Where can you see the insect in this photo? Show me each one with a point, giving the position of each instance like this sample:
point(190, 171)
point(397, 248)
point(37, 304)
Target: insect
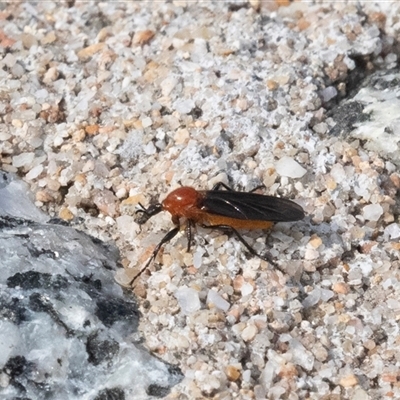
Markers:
point(227, 210)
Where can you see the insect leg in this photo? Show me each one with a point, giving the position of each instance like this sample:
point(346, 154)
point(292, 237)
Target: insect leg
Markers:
point(171, 234)
point(189, 233)
point(257, 187)
point(218, 186)
point(228, 228)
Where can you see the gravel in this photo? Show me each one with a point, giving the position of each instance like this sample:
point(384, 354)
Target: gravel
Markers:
point(107, 105)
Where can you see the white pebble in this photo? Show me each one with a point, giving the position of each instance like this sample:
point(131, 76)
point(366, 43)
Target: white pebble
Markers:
point(289, 167)
point(363, 185)
point(216, 300)
point(149, 149)
point(167, 85)
point(34, 172)
point(366, 267)
point(58, 141)
point(328, 93)
point(394, 304)
point(372, 212)
point(146, 122)
point(321, 128)
point(184, 106)
point(23, 159)
point(360, 394)
point(121, 193)
point(326, 295)
point(246, 289)
point(392, 231)
point(188, 300)
point(313, 298)
point(311, 254)
point(249, 333)
point(126, 226)
point(301, 355)
point(4, 135)
point(9, 60)
point(268, 374)
point(338, 173)
point(198, 257)
point(42, 94)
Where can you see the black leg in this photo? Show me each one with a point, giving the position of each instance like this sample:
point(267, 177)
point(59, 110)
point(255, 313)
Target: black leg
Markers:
point(218, 186)
point(189, 233)
point(257, 187)
point(228, 228)
point(171, 234)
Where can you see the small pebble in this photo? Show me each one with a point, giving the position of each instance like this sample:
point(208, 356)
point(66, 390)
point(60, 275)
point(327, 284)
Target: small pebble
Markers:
point(91, 50)
point(340, 287)
point(188, 300)
point(249, 333)
point(34, 172)
point(315, 241)
point(372, 212)
point(143, 37)
point(215, 300)
point(290, 168)
point(23, 160)
point(232, 373)
point(66, 214)
point(348, 381)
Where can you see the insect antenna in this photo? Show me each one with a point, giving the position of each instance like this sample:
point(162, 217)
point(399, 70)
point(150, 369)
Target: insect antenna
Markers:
point(144, 214)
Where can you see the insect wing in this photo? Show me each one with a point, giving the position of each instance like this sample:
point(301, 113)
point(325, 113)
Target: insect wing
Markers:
point(251, 206)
